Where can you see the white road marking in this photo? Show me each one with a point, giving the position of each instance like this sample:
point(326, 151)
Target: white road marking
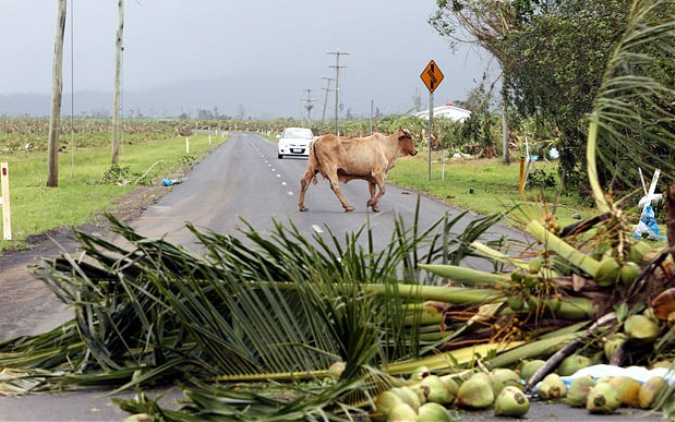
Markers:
point(290, 193)
point(317, 228)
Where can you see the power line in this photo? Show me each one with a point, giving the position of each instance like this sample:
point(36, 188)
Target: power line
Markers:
point(337, 67)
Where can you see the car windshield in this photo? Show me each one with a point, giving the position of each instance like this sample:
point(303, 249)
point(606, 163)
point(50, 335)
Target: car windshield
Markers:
point(298, 133)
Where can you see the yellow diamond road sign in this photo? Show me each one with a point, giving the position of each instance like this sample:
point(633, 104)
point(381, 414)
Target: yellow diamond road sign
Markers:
point(432, 76)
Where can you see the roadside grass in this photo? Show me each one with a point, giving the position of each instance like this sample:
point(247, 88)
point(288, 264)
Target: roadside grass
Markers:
point(87, 182)
point(486, 186)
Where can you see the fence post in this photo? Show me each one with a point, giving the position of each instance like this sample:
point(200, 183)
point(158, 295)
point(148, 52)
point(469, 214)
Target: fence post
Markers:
point(6, 212)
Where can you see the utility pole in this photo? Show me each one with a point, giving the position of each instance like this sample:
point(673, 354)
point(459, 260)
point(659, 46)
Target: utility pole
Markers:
point(337, 67)
point(325, 101)
point(57, 92)
point(309, 106)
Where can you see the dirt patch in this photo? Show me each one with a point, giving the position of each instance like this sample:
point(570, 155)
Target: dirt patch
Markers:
point(27, 306)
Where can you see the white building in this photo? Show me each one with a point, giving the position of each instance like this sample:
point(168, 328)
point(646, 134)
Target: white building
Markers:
point(447, 111)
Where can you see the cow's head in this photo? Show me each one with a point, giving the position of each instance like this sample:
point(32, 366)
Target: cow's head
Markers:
point(406, 142)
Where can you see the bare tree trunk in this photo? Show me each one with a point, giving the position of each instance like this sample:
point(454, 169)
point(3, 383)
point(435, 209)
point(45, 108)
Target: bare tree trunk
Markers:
point(57, 90)
point(118, 86)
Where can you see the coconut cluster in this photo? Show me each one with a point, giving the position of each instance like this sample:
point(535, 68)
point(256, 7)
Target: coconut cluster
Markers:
point(430, 397)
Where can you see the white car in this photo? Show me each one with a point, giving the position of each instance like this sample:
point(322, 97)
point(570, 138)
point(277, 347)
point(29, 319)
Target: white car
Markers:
point(294, 142)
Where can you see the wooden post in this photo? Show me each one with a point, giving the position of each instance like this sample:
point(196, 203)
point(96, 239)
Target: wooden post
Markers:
point(187, 145)
point(6, 213)
point(521, 185)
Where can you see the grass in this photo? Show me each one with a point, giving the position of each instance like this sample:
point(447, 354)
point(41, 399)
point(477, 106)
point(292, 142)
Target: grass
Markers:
point(485, 186)
point(87, 183)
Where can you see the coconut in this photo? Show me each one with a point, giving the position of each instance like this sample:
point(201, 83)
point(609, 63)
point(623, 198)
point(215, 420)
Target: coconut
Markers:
point(612, 344)
point(649, 392)
point(438, 393)
point(637, 251)
point(336, 370)
point(572, 363)
point(433, 412)
point(476, 392)
point(451, 383)
point(408, 396)
point(420, 373)
point(528, 368)
point(501, 377)
point(603, 398)
point(608, 272)
point(386, 401)
point(535, 264)
point(629, 272)
point(577, 393)
point(511, 401)
point(628, 389)
point(641, 328)
point(516, 303)
point(402, 413)
point(552, 387)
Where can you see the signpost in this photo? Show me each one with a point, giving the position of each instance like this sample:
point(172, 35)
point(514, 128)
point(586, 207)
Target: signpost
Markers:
point(432, 77)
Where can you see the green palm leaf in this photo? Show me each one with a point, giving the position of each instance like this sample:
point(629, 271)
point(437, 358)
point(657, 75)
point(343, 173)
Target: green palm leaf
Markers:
point(633, 120)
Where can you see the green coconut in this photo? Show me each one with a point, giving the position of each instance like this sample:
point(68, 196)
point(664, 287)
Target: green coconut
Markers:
point(528, 368)
point(608, 272)
point(402, 412)
point(501, 377)
point(629, 272)
point(577, 393)
point(571, 364)
point(641, 328)
point(603, 398)
point(476, 392)
point(438, 393)
point(433, 412)
point(649, 392)
point(552, 387)
point(408, 396)
point(612, 344)
point(386, 401)
point(511, 401)
point(420, 373)
point(452, 383)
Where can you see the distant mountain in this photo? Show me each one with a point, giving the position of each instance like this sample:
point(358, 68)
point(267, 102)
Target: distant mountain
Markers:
point(242, 95)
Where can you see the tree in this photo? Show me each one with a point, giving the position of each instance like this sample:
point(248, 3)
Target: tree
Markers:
point(57, 90)
point(553, 55)
point(118, 85)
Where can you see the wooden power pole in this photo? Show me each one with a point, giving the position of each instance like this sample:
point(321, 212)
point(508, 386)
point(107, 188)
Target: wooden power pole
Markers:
point(118, 86)
point(57, 91)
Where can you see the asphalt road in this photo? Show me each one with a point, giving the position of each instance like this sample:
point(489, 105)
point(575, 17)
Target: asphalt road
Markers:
point(244, 179)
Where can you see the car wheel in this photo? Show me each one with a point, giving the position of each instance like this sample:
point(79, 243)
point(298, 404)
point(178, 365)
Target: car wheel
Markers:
point(279, 156)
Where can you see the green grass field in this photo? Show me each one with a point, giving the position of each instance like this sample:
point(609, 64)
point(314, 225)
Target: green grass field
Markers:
point(486, 186)
point(87, 183)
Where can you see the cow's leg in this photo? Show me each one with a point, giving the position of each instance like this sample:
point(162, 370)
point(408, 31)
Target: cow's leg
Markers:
point(371, 201)
point(304, 185)
point(335, 186)
point(380, 181)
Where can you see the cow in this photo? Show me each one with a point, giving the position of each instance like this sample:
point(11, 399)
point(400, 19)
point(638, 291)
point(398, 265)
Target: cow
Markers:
point(341, 159)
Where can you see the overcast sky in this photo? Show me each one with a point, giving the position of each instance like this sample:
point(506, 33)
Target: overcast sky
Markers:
point(270, 50)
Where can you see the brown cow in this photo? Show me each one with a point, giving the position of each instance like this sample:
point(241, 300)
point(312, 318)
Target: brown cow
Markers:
point(340, 159)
